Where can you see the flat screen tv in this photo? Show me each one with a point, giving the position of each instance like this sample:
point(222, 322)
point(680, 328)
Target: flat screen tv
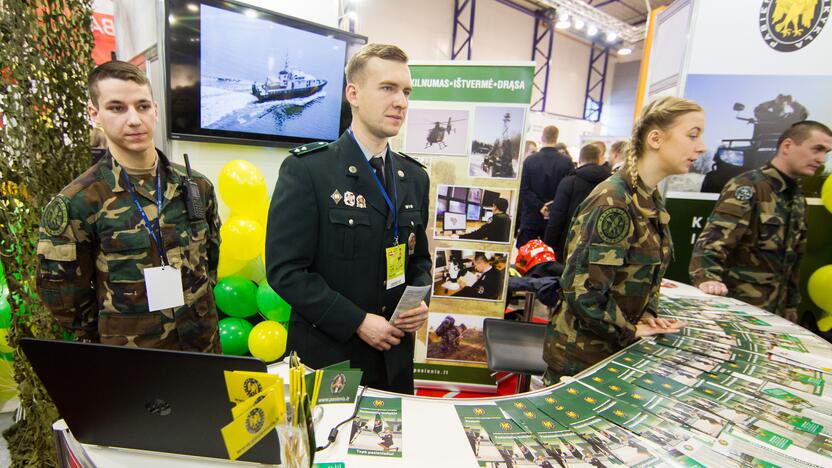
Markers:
point(473, 212)
point(457, 207)
point(240, 74)
point(454, 222)
point(489, 197)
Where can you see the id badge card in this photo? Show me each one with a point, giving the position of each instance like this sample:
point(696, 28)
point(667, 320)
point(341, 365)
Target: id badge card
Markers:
point(395, 265)
point(164, 287)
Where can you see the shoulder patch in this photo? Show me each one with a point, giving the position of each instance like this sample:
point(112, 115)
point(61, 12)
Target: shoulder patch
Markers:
point(613, 225)
point(411, 158)
point(56, 216)
point(744, 193)
point(308, 148)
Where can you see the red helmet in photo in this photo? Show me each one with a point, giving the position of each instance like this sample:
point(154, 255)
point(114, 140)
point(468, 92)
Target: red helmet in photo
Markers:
point(534, 252)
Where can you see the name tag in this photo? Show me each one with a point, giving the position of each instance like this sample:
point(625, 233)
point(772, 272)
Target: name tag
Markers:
point(164, 288)
point(395, 265)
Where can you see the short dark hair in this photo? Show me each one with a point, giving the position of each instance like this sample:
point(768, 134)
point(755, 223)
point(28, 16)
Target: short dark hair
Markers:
point(590, 154)
point(501, 204)
point(550, 134)
point(115, 69)
point(359, 60)
point(480, 256)
point(800, 131)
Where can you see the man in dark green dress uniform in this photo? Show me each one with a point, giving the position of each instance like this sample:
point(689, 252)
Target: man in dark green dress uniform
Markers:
point(346, 232)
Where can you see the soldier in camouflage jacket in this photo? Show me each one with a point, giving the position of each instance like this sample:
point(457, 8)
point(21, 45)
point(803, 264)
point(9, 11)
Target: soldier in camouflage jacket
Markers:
point(619, 245)
point(93, 247)
point(95, 241)
point(751, 246)
point(619, 248)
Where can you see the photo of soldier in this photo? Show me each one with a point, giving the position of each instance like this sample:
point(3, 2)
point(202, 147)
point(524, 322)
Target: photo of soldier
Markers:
point(495, 142)
point(469, 274)
point(456, 337)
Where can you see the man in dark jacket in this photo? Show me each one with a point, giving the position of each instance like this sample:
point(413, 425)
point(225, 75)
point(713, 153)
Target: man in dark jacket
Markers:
point(542, 172)
point(489, 284)
point(498, 228)
point(571, 192)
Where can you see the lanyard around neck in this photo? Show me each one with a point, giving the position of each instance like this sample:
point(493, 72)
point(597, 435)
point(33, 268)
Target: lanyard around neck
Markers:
point(154, 229)
point(387, 200)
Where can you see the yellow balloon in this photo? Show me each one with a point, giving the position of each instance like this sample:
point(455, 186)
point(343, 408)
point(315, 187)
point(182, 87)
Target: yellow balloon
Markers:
point(267, 341)
point(826, 193)
point(253, 270)
point(240, 182)
point(242, 238)
point(820, 287)
point(228, 265)
point(5, 348)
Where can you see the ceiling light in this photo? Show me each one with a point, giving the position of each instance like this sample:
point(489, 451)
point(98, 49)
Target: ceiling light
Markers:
point(591, 30)
point(563, 21)
point(251, 13)
point(579, 24)
point(193, 7)
point(612, 36)
point(625, 51)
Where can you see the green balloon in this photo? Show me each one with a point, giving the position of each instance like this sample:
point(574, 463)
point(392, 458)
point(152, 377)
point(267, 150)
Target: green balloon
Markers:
point(234, 335)
point(5, 313)
point(271, 305)
point(235, 296)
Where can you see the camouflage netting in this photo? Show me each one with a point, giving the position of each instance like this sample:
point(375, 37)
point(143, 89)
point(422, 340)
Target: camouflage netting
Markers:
point(45, 58)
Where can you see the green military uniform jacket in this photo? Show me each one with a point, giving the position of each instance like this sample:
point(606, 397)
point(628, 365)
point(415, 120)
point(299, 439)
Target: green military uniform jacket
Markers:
point(325, 254)
point(754, 239)
point(619, 247)
point(93, 246)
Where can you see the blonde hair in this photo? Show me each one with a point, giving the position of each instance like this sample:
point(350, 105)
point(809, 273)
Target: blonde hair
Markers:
point(357, 62)
point(658, 114)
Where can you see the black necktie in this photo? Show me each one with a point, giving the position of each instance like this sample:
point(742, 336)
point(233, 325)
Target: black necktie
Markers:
point(378, 166)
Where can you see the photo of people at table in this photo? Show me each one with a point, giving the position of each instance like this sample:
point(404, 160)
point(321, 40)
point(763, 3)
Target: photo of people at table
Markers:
point(469, 274)
point(473, 213)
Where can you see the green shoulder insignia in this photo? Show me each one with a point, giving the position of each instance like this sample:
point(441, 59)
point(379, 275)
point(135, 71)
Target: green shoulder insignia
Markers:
point(411, 158)
point(56, 216)
point(613, 225)
point(308, 148)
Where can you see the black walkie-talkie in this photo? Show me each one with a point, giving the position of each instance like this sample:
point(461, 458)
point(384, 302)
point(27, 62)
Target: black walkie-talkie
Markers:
point(193, 199)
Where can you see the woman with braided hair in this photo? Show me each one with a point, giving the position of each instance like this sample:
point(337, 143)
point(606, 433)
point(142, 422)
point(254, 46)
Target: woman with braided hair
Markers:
point(619, 245)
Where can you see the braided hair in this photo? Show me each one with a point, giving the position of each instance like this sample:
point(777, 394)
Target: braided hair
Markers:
point(660, 113)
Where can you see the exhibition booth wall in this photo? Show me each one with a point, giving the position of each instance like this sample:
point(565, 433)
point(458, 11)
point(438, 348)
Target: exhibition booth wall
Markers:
point(422, 29)
point(752, 86)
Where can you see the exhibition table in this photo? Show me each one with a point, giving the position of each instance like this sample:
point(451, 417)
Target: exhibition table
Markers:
point(432, 432)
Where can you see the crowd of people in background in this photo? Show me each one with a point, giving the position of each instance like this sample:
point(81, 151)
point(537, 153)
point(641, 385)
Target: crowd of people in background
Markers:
point(553, 184)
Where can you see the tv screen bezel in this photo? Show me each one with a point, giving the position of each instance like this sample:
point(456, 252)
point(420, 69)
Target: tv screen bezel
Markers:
point(352, 41)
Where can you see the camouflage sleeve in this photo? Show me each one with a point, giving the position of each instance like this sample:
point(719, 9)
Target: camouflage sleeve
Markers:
point(599, 256)
point(214, 223)
point(793, 286)
point(66, 268)
point(727, 224)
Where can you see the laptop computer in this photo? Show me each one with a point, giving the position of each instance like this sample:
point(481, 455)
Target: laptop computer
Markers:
point(146, 399)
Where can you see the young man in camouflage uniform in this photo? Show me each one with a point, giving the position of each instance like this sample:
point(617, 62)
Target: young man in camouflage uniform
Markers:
point(619, 245)
point(120, 220)
point(751, 246)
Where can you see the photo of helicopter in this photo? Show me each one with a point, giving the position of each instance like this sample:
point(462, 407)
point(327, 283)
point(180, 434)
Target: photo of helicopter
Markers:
point(434, 131)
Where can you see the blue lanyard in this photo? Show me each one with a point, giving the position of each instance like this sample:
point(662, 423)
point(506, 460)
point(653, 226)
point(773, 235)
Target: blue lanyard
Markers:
point(384, 193)
point(154, 229)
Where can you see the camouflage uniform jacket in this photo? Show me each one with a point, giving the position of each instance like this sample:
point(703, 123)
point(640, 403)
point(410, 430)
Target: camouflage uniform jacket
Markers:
point(754, 239)
point(618, 250)
point(93, 246)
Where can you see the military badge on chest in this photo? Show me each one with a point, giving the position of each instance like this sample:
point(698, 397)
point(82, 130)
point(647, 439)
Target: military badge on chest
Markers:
point(411, 243)
point(744, 193)
point(613, 225)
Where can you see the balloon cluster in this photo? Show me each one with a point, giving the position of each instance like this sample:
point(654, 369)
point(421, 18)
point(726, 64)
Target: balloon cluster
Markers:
point(820, 283)
point(242, 267)
point(6, 351)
